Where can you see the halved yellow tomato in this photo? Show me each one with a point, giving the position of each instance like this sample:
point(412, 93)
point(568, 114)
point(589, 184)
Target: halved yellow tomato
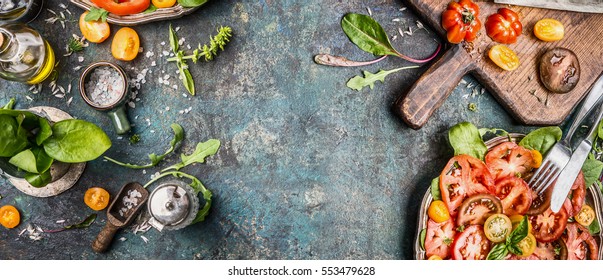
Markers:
point(497, 227)
point(438, 211)
point(504, 57)
point(9, 216)
point(586, 215)
point(125, 44)
point(94, 31)
point(527, 245)
point(163, 3)
point(549, 30)
point(96, 198)
point(516, 219)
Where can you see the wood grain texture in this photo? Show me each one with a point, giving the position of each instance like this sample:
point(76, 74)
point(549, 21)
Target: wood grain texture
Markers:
point(512, 89)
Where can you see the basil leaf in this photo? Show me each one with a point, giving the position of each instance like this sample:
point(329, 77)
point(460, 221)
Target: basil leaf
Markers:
point(150, 9)
point(84, 224)
point(422, 236)
point(191, 3)
point(592, 169)
point(75, 141)
point(38, 180)
point(189, 84)
point(203, 150)
point(542, 139)
point(519, 233)
point(173, 40)
point(498, 252)
point(465, 139)
point(13, 139)
point(45, 131)
point(514, 249)
point(358, 82)
point(367, 34)
point(435, 189)
point(96, 14)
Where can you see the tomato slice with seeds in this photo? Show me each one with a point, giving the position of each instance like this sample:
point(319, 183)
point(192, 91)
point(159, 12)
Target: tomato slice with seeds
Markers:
point(580, 244)
point(439, 238)
point(462, 177)
point(549, 226)
point(514, 195)
point(471, 244)
point(540, 202)
point(555, 250)
point(509, 159)
point(476, 209)
point(576, 197)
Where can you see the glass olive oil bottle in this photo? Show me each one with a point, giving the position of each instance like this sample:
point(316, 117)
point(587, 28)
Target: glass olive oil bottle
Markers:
point(24, 55)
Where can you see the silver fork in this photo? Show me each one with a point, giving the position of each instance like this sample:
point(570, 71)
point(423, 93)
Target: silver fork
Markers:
point(557, 157)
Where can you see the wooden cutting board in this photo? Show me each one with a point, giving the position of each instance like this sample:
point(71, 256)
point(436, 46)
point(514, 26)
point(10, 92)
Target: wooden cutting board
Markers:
point(519, 91)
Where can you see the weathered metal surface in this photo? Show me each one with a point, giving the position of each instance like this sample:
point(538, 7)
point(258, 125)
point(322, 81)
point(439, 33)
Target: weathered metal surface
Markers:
point(308, 169)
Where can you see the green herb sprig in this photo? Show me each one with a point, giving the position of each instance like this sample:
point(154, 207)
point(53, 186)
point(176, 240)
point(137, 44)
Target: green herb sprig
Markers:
point(209, 52)
point(96, 14)
point(500, 250)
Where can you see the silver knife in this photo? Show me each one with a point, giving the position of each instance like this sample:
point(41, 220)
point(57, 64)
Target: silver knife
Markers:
point(570, 172)
point(584, 6)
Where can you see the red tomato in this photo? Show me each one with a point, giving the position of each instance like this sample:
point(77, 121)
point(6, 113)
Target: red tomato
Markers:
point(439, 238)
point(580, 244)
point(577, 194)
point(477, 208)
point(471, 244)
point(461, 22)
point(555, 250)
point(462, 177)
point(123, 8)
point(503, 27)
point(509, 159)
point(514, 194)
point(549, 226)
point(540, 202)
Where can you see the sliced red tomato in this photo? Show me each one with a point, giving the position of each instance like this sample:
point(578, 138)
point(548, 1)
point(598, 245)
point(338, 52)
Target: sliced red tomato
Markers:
point(509, 159)
point(580, 244)
point(549, 226)
point(439, 238)
point(577, 195)
point(462, 177)
point(122, 8)
point(514, 195)
point(477, 208)
point(471, 244)
point(555, 250)
point(540, 202)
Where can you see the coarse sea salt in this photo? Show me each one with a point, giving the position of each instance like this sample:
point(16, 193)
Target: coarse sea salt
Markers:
point(105, 86)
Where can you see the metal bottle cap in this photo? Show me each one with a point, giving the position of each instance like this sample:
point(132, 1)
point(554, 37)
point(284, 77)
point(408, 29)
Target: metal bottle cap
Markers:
point(172, 205)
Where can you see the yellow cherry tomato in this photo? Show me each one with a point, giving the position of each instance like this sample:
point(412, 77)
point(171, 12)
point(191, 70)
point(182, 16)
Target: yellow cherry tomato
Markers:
point(125, 44)
point(586, 215)
point(94, 31)
point(537, 158)
point(438, 211)
point(504, 57)
point(497, 227)
point(96, 198)
point(9, 216)
point(435, 258)
point(163, 3)
point(549, 30)
point(516, 219)
point(527, 245)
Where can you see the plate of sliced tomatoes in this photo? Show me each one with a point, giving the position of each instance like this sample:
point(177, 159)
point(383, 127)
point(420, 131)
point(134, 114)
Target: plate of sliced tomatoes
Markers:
point(474, 207)
point(136, 12)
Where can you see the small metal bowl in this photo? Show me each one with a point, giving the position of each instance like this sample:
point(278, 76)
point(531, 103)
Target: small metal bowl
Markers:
point(116, 110)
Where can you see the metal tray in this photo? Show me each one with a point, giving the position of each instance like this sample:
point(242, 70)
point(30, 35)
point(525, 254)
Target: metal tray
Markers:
point(593, 198)
point(140, 18)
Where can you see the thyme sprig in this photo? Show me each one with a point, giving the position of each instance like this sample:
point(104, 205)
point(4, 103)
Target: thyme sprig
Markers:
point(209, 52)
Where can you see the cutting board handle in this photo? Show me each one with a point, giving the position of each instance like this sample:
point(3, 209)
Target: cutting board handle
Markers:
point(104, 238)
point(433, 87)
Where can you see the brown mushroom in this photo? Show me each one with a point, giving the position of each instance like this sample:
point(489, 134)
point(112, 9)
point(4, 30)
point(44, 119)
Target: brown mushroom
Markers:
point(559, 70)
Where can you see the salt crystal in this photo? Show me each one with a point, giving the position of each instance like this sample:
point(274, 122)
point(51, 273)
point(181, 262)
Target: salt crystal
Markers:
point(188, 46)
point(163, 43)
point(60, 221)
point(369, 11)
point(146, 240)
point(181, 41)
point(80, 59)
point(149, 54)
point(153, 63)
point(122, 239)
point(177, 28)
point(396, 20)
point(167, 108)
point(165, 53)
point(132, 104)
point(152, 131)
point(144, 172)
point(77, 68)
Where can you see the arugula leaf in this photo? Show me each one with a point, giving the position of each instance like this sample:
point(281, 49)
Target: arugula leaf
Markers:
point(203, 150)
point(592, 169)
point(542, 139)
point(191, 3)
point(367, 34)
point(150, 9)
point(498, 252)
point(358, 82)
point(465, 139)
point(96, 14)
point(435, 189)
point(422, 236)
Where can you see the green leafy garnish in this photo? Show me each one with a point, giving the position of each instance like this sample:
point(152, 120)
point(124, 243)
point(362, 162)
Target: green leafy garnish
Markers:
point(84, 224)
point(155, 159)
point(435, 189)
point(76, 141)
point(472, 107)
point(500, 250)
point(422, 236)
point(150, 9)
point(96, 14)
point(135, 138)
point(592, 169)
point(207, 51)
point(542, 139)
point(11, 104)
point(75, 45)
point(203, 150)
point(191, 3)
point(494, 131)
point(369, 79)
point(466, 139)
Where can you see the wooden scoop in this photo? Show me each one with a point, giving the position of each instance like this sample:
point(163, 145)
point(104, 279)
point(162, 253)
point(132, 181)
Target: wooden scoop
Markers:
point(120, 213)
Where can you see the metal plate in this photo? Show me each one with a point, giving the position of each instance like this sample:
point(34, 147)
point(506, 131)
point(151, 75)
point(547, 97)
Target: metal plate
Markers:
point(593, 198)
point(140, 18)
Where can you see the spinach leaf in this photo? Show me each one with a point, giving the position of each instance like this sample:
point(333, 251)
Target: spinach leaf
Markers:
point(97, 14)
point(498, 252)
point(45, 131)
point(435, 189)
point(13, 139)
point(11, 104)
point(465, 139)
point(367, 34)
point(38, 180)
point(358, 82)
point(33, 160)
point(594, 228)
point(203, 150)
point(494, 131)
point(191, 3)
point(542, 139)
point(76, 141)
point(592, 169)
point(422, 236)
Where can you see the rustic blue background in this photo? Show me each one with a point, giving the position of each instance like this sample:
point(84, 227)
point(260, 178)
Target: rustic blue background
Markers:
point(308, 169)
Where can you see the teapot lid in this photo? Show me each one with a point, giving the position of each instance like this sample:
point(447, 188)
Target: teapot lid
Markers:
point(170, 204)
